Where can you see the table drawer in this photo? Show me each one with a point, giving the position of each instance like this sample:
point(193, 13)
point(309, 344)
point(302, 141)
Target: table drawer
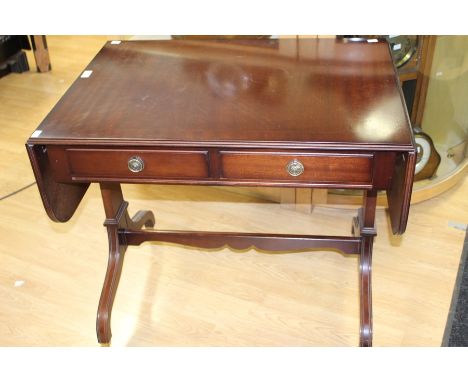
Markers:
point(136, 164)
point(314, 167)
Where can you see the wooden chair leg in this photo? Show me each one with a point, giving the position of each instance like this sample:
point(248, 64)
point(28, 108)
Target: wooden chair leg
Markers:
point(41, 53)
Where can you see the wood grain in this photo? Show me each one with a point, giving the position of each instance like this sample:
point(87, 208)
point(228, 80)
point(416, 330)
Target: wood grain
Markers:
point(172, 295)
point(347, 104)
point(202, 93)
point(244, 241)
point(175, 296)
point(318, 167)
point(352, 164)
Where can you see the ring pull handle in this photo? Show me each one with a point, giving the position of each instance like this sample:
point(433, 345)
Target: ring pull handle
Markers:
point(136, 164)
point(295, 168)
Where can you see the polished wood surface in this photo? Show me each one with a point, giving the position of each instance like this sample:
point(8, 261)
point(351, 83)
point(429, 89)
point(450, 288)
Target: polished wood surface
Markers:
point(91, 163)
point(308, 92)
point(124, 231)
point(318, 167)
point(60, 200)
point(177, 296)
point(243, 241)
point(364, 227)
point(116, 218)
point(92, 156)
point(119, 105)
point(400, 190)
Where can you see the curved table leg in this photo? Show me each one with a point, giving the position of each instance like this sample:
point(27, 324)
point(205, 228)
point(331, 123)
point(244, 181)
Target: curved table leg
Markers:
point(364, 227)
point(365, 287)
point(109, 289)
point(142, 218)
point(117, 218)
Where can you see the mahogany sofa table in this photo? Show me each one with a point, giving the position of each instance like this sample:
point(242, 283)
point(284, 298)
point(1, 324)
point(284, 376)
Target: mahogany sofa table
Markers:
point(286, 113)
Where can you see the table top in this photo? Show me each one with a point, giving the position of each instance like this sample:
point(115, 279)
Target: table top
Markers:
point(269, 93)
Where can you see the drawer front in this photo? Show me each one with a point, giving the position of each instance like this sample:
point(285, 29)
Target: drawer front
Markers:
point(318, 167)
point(156, 164)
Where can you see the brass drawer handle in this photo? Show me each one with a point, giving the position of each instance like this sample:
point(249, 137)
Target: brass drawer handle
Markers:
point(295, 168)
point(136, 164)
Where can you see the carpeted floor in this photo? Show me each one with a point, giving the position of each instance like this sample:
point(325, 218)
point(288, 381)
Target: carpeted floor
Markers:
point(456, 331)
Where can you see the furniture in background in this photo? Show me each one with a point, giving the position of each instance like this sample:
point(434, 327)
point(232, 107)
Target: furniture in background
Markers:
point(41, 53)
point(13, 58)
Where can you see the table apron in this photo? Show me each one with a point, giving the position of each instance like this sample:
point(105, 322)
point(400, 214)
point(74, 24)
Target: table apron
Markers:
point(223, 167)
